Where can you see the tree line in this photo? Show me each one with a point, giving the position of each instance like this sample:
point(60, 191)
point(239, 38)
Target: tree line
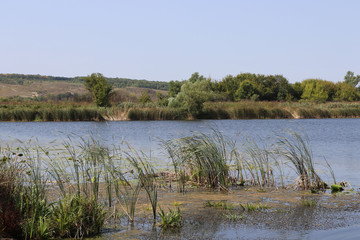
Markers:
point(192, 93)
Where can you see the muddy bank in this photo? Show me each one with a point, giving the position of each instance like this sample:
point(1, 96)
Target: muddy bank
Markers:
point(286, 216)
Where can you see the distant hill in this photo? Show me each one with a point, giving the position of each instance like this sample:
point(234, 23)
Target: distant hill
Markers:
point(22, 79)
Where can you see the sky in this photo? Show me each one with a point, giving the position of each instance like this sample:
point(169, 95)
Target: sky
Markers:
point(163, 40)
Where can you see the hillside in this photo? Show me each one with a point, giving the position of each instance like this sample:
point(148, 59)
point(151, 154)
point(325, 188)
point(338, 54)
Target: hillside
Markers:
point(25, 80)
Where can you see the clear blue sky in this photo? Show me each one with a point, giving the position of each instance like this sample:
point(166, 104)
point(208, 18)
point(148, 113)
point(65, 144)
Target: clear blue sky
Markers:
point(170, 39)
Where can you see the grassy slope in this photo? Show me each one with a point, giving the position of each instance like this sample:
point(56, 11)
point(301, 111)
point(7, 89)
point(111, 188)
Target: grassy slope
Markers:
point(43, 88)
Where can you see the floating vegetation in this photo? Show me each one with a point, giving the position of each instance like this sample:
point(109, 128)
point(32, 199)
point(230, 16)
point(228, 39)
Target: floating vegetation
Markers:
point(336, 188)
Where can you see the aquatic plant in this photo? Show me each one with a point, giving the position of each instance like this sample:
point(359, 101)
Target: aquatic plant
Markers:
point(297, 151)
point(127, 192)
point(206, 156)
point(77, 217)
point(259, 164)
point(146, 175)
point(336, 188)
point(253, 206)
point(233, 217)
point(155, 113)
point(220, 204)
point(308, 202)
point(11, 170)
point(176, 155)
point(171, 219)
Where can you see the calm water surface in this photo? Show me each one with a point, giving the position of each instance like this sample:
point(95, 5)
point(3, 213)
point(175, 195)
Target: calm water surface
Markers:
point(338, 140)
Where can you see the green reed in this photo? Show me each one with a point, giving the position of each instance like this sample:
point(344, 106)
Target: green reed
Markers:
point(296, 149)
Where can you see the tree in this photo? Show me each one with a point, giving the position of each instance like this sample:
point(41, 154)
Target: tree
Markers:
point(346, 92)
point(192, 96)
point(318, 90)
point(246, 90)
point(99, 88)
point(145, 97)
point(174, 88)
point(351, 79)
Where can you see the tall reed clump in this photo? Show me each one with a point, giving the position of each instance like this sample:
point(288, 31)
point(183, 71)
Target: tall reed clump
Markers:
point(77, 217)
point(46, 113)
point(297, 151)
point(163, 113)
point(24, 209)
point(80, 213)
point(35, 205)
point(146, 175)
point(206, 156)
point(174, 152)
point(258, 161)
point(11, 171)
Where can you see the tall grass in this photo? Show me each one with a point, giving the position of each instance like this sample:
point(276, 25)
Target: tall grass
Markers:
point(146, 174)
point(11, 172)
point(164, 113)
point(206, 156)
point(50, 114)
point(259, 163)
point(297, 151)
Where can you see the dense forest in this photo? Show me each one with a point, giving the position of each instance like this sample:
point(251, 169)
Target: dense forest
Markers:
point(21, 79)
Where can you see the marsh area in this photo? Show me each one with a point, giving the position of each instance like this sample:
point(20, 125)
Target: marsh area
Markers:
point(213, 214)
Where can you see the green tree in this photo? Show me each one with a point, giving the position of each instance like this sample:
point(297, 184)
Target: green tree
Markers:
point(351, 79)
point(346, 92)
point(99, 88)
point(192, 96)
point(174, 88)
point(145, 97)
point(246, 90)
point(318, 90)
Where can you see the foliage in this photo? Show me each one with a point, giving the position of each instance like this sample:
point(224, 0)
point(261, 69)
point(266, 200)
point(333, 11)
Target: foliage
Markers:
point(174, 88)
point(318, 90)
point(162, 100)
point(246, 90)
point(346, 92)
point(145, 98)
point(193, 94)
point(99, 88)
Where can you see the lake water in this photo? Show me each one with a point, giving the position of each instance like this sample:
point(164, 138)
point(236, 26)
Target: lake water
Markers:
point(338, 140)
